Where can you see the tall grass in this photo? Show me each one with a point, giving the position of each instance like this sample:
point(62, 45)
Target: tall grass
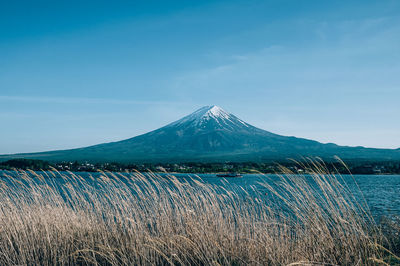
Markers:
point(135, 219)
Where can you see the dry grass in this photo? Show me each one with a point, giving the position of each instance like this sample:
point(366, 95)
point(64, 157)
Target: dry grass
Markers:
point(135, 219)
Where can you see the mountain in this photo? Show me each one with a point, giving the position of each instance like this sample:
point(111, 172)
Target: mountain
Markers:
point(210, 134)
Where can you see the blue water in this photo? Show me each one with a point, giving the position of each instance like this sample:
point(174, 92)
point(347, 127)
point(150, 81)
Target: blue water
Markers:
point(381, 192)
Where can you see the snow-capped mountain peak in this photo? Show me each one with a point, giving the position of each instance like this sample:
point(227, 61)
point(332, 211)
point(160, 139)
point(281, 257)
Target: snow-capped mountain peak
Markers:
point(214, 115)
point(216, 111)
point(207, 135)
point(209, 112)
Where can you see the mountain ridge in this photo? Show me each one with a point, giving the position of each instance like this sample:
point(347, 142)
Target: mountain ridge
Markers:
point(210, 134)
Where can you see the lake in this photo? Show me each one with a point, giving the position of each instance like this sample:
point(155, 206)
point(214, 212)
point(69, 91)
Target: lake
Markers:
point(381, 192)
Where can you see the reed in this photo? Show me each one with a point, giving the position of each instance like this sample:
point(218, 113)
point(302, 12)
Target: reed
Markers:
point(52, 218)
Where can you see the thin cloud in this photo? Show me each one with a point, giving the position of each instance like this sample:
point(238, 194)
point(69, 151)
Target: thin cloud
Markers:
point(80, 100)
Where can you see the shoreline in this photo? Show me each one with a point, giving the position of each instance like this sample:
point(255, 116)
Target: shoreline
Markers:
point(188, 173)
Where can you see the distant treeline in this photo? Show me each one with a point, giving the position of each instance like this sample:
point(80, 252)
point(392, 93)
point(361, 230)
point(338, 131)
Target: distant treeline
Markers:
point(25, 164)
point(354, 167)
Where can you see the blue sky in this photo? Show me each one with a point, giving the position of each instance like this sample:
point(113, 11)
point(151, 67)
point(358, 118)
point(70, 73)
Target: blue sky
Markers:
point(74, 74)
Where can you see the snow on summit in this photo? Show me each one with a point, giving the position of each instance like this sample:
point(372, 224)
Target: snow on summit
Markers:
point(209, 114)
point(216, 111)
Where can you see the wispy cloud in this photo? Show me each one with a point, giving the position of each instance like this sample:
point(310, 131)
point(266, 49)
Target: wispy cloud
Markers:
point(82, 100)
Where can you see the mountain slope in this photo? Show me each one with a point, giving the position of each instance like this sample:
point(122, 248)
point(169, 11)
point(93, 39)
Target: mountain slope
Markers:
point(210, 134)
